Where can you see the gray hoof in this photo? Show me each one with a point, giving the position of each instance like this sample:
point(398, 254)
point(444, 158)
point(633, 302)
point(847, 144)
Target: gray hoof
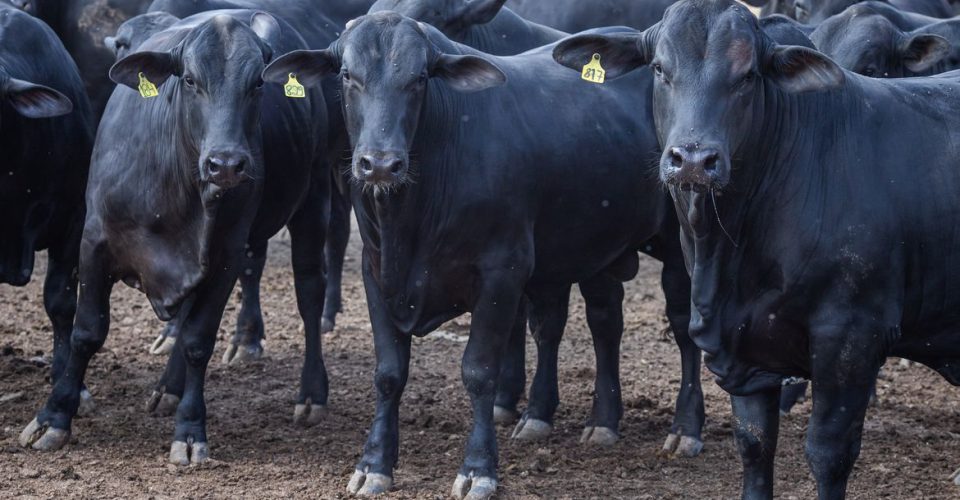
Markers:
point(309, 414)
point(473, 488)
point(162, 405)
point(163, 345)
point(87, 406)
point(366, 484)
point(183, 453)
point(504, 416)
point(236, 355)
point(326, 325)
point(599, 436)
point(681, 446)
point(531, 429)
point(43, 437)
point(956, 477)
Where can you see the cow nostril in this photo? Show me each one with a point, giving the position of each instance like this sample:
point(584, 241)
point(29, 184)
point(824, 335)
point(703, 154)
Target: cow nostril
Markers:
point(240, 167)
point(676, 159)
point(710, 163)
point(396, 166)
point(365, 164)
point(213, 167)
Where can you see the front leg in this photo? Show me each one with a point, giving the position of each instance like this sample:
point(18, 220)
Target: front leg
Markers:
point(493, 319)
point(374, 472)
point(756, 420)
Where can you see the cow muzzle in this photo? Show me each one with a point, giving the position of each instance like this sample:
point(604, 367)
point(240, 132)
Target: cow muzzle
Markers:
point(225, 169)
point(380, 169)
point(695, 167)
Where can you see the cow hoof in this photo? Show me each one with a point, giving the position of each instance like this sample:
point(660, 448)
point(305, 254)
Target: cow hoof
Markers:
point(681, 446)
point(956, 477)
point(43, 437)
point(163, 345)
point(183, 453)
point(308, 414)
point(531, 429)
point(599, 436)
point(162, 405)
point(327, 325)
point(504, 416)
point(87, 406)
point(237, 355)
point(366, 484)
point(473, 488)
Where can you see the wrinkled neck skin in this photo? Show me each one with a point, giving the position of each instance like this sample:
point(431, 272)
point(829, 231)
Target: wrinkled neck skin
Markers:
point(727, 236)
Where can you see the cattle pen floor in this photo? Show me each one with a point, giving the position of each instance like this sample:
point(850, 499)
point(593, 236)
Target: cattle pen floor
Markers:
point(910, 447)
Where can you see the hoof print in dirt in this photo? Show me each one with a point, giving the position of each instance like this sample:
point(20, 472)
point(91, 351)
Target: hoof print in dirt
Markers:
point(365, 484)
point(43, 437)
point(504, 416)
point(184, 453)
point(473, 488)
point(531, 429)
point(308, 414)
point(681, 446)
point(599, 436)
point(238, 354)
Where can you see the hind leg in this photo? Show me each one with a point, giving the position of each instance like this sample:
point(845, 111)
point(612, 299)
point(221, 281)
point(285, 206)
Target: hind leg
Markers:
point(512, 381)
point(603, 295)
point(335, 250)
point(247, 341)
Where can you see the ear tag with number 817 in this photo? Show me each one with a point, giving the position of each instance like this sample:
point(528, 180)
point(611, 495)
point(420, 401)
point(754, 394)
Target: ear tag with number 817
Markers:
point(293, 88)
point(147, 89)
point(593, 72)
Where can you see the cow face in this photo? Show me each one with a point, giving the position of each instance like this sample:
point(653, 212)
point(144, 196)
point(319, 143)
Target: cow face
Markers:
point(711, 65)
point(869, 44)
point(385, 62)
point(217, 94)
point(137, 30)
point(453, 17)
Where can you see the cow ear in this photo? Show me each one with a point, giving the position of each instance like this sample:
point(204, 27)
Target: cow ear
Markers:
point(619, 53)
point(921, 52)
point(481, 11)
point(155, 66)
point(310, 67)
point(35, 101)
point(265, 26)
point(799, 69)
point(468, 73)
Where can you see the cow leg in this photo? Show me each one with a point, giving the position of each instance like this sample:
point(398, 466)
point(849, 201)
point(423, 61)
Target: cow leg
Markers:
point(165, 397)
point(308, 229)
point(513, 371)
point(246, 343)
point(335, 250)
point(50, 430)
point(374, 472)
point(198, 334)
point(603, 296)
point(493, 319)
point(791, 395)
point(548, 317)
point(685, 433)
point(756, 421)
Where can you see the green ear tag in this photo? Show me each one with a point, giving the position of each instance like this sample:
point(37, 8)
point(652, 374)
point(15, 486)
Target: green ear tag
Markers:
point(593, 72)
point(147, 89)
point(293, 88)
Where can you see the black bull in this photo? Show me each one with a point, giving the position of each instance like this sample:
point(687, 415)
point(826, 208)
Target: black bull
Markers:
point(819, 215)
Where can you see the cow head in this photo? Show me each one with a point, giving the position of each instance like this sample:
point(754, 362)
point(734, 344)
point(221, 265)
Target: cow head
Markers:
point(816, 11)
point(137, 30)
point(385, 62)
point(868, 43)
point(452, 17)
point(711, 65)
point(215, 73)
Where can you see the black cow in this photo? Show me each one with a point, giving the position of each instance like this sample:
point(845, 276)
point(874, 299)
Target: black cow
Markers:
point(82, 25)
point(578, 15)
point(875, 39)
point(137, 30)
point(47, 135)
point(487, 26)
point(404, 87)
point(814, 12)
point(818, 240)
point(179, 184)
point(326, 14)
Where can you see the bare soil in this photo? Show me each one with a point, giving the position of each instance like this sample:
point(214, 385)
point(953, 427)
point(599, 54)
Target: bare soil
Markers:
point(910, 443)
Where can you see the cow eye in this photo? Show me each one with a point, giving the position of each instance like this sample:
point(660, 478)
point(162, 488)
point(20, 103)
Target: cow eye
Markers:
point(869, 72)
point(259, 83)
point(422, 78)
point(658, 70)
point(748, 78)
point(189, 81)
point(345, 75)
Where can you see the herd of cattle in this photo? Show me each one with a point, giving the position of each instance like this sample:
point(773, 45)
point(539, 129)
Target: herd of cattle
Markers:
point(803, 198)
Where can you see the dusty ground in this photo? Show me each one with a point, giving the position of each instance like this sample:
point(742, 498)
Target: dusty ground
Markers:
point(910, 446)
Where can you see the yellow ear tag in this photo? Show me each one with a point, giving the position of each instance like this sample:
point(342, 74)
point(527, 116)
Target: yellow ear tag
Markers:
point(593, 72)
point(147, 89)
point(293, 88)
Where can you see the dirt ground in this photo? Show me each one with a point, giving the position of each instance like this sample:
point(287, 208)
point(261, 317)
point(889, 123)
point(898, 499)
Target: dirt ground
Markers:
point(910, 444)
